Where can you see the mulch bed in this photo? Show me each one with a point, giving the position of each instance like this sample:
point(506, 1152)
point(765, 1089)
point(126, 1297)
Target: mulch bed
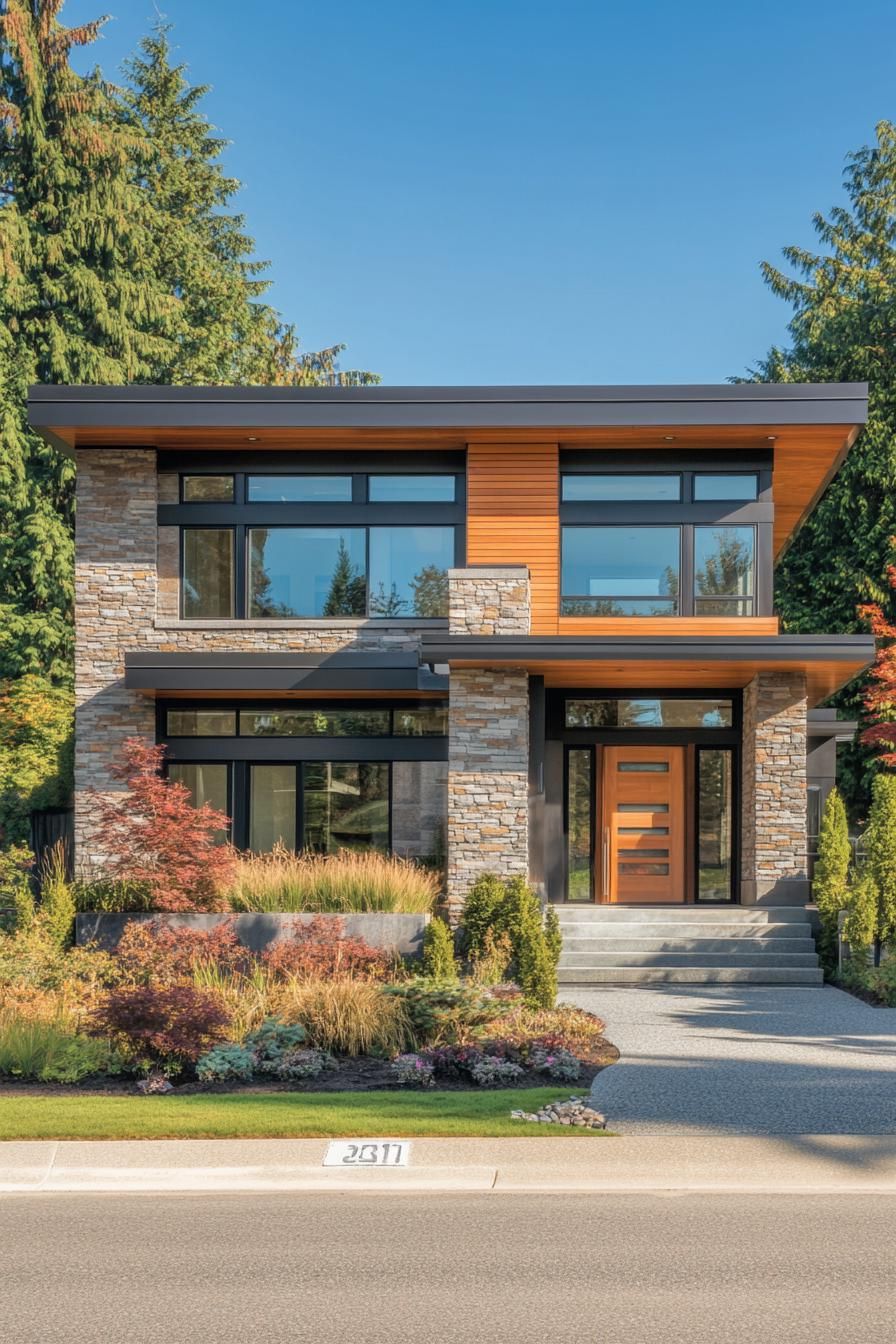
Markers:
point(353, 1075)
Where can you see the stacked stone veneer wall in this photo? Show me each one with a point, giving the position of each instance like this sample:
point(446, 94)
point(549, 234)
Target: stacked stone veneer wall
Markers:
point(126, 599)
point(488, 747)
point(489, 601)
point(774, 839)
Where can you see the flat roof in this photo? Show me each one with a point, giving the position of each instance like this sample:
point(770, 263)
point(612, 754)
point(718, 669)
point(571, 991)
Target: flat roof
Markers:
point(61, 409)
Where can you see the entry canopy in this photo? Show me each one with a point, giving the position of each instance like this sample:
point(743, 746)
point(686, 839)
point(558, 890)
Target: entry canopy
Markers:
point(670, 661)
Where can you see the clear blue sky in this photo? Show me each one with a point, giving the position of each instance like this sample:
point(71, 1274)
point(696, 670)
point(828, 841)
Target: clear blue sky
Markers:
point(508, 191)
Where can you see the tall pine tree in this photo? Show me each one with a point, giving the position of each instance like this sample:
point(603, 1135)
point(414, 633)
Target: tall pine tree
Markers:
point(844, 318)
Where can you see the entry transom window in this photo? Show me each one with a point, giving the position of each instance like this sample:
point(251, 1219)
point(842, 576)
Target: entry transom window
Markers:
point(647, 712)
point(299, 489)
point(724, 486)
point(620, 571)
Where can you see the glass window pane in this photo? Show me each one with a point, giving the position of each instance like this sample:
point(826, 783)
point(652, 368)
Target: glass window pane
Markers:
point(643, 767)
point(206, 783)
point(580, 813)
point(272, 807)
point(608, 488)
point(648, 713)
point(723, 606)
point(201, 723)
point(409, 570)
point(723, 563)
point(603, 566)
point(207, 579)
point(724, 486)
point(307, 571)
point(420, 810)
point(714, 824)
point(346, 805)
point(314, 723)
point(300, 490)
point(410, 489)
point(206, 489)
point(425, 721)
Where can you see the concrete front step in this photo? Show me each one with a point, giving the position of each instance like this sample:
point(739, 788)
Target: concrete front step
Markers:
point(753, 932)
point(689, 975)
point(744, 914)
point(572, 961)
point(734, 946)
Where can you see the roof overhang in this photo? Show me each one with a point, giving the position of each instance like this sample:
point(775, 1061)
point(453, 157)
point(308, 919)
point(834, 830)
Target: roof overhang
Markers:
point(674, 661)
point(810, 425)
point(266, 674)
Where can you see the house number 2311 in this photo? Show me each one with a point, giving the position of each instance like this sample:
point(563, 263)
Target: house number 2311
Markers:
point(367, 1153)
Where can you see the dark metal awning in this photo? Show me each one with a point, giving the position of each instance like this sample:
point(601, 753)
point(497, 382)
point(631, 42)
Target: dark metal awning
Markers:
point(361, 671)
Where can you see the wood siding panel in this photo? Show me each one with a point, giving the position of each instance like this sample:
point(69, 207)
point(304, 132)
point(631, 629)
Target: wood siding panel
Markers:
point(704, 626)
point(513, 518)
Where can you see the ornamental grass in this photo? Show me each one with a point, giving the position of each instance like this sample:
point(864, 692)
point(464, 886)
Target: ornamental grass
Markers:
point(346, 1017)
point(283, 882)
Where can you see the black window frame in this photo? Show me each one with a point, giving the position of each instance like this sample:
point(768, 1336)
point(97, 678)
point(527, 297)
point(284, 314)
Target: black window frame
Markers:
point(625, 597)
point(240, 515)
point(688, 514)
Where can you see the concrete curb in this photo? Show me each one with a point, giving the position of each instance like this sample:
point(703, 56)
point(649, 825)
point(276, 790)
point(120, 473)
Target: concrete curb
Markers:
point(782, 1164)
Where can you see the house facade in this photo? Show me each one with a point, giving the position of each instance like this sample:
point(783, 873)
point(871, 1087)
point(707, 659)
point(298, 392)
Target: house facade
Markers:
point(522, 630)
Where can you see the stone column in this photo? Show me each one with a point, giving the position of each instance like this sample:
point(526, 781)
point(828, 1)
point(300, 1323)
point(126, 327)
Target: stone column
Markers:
point(115, 598)
point(774, 799)
point(488, 743)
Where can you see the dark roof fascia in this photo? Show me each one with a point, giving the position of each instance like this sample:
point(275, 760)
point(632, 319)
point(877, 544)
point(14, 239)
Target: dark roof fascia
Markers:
point(52, 406)
point(246, 673)
point(646, 648)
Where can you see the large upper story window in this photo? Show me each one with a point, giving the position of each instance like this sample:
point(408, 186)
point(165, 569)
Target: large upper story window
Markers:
point(620, 571)
point(691, 538)
point(321, 544)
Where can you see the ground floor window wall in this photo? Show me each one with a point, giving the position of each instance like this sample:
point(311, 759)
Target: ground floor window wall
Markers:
point(396, 807)
point(648, 789)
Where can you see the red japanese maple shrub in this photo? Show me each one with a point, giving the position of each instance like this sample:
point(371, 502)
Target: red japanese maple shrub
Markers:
point(153, 836)
point(880, 694)
point(165, 1026)
point(150, 952)
point(321, 950)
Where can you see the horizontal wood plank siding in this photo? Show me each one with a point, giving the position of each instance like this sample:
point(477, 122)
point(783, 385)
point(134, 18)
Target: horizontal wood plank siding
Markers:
point(513, 517)
point(705, 626)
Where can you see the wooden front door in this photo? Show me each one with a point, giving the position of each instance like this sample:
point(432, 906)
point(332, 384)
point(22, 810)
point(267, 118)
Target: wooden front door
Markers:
point(642, 825)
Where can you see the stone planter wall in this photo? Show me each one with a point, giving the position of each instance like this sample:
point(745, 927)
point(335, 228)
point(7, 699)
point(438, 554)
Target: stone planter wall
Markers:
point(402, 934)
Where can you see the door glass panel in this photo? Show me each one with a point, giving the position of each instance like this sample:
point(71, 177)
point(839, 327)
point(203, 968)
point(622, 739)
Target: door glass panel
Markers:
point(643, 767)
point(645, 853)
point(644, 869)
point(580, 812)
point(207, 579)
point(613, 486)
point(643, 830)
point(642, 807)
point(272, 807)
point(346, 805)
point(714, 822)
point(207, 784)
point(307, 571)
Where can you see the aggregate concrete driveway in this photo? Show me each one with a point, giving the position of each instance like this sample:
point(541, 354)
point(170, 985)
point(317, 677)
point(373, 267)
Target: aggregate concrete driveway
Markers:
point(745, 1060)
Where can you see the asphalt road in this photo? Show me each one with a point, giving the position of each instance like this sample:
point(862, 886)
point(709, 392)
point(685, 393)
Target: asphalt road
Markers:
point(627, 1269)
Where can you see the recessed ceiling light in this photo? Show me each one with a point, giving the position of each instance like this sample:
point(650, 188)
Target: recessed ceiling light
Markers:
point(771, 437)
point(253, 438)
point(670, 438)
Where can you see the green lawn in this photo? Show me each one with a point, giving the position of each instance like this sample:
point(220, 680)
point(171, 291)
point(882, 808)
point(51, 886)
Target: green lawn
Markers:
point(282, 1115)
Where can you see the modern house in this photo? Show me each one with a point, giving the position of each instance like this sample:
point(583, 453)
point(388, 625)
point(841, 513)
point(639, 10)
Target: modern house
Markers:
point(520, 629)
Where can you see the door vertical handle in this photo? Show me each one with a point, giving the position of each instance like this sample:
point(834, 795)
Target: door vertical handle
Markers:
point(605, 863)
